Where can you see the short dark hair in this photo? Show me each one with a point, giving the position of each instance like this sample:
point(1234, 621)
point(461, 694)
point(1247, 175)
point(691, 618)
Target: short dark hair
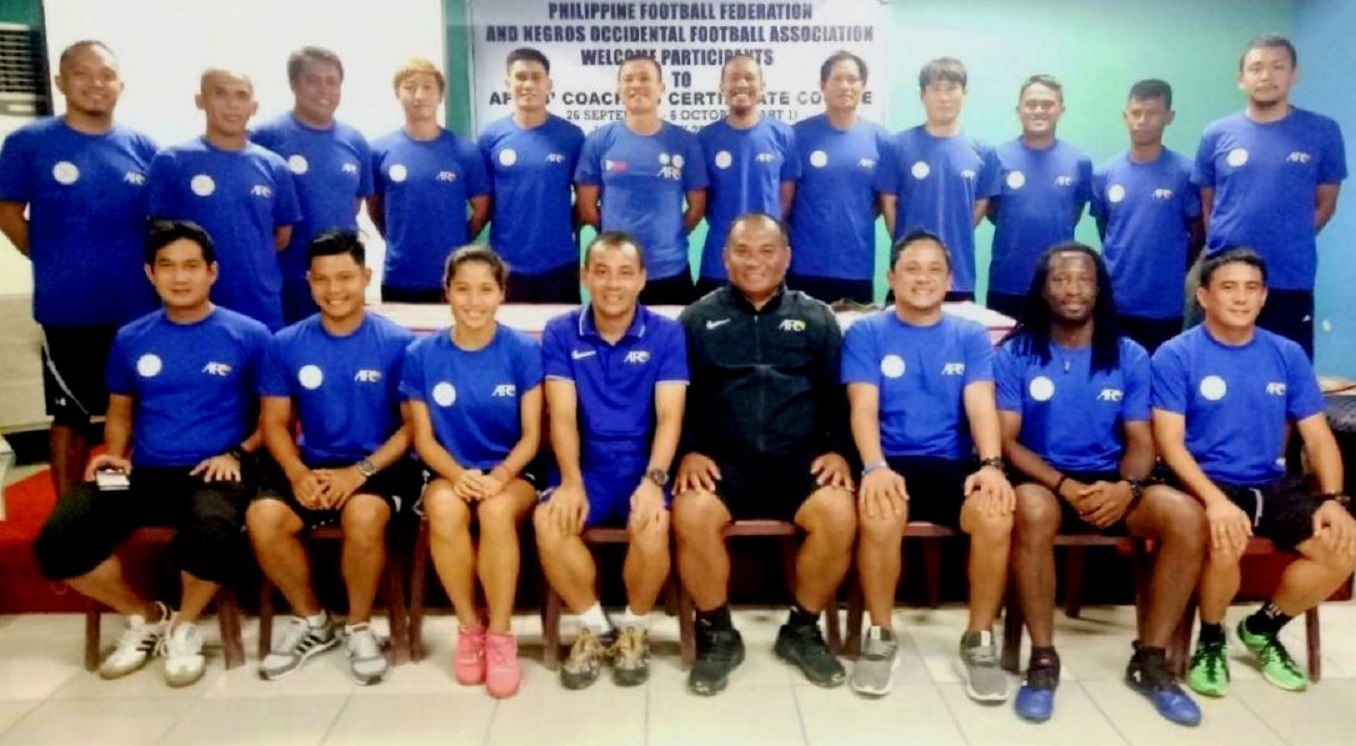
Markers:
point(748, 216)
point(336, 242)
point(299, 58)
point(1049, 81)
point(919, 235)
point(69, 51)
point(741, 56)
point(1151, 88)
point(162, 233)
point(1269, 41)
point(1232, 255)
point(637, 57)
point(941, 69)
point(527, 54)
point(842, 55)
point(615, 238)
point(476, 253)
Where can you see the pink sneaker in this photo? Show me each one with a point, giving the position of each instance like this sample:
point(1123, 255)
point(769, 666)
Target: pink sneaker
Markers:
point(503, 672)
point(468, 663)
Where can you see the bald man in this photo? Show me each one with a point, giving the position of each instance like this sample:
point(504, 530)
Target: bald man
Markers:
point(242, 194)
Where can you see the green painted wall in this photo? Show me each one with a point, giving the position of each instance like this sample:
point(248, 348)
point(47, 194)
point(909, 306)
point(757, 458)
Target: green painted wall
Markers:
point(27, 12)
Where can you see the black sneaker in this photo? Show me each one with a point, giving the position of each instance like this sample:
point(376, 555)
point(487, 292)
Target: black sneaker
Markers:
point(803, 646)
point(719, 651)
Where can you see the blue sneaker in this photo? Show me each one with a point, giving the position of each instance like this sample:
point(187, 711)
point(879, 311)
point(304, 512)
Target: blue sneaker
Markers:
point(1035, 699)
point(1148, 674)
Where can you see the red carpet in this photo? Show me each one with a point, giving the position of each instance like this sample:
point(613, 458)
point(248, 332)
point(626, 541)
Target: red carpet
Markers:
point(22, 587)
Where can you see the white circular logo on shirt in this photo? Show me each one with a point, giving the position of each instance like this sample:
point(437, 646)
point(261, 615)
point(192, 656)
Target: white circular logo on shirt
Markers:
point(1237, 157)
point(508, 157)
point(920, 170)
point(892, 366)
point(149, 365)
point(724, 159)
point(1041, 388)
point(398, 173)
point(819, 159)
point(1214, 388)
point(298, 165)
point(677, 161)
point(1016, 180)
point(1115, 193)
point(663, 159)
point(444, 394)
point(311, 376)
point(65, 172)
point(202, 185)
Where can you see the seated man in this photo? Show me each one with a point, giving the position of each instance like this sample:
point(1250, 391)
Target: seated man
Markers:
point(765, 437)
point(920, 386)
point(1073, 395)
point(180, 415)
point(336, 374)
point(1226, 395)
point(616, 379)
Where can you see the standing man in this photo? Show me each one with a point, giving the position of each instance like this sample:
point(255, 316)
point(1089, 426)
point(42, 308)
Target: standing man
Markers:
point(1149, 216)
point(329, 160)
point(752, 162)
point(82, 179)
point(941, 179)
point(432, 194)
point(642, 169)
point(531, 156)
point(240, 193)
point(1269, 178)
point(833, 225)
point(920, 387)
point(765, 438)
point(336, 375)
point(1226, 396)
point(1046, 182)
point(616, 380)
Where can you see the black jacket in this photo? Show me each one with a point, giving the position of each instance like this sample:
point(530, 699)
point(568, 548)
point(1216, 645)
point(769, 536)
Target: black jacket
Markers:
point(764, 382)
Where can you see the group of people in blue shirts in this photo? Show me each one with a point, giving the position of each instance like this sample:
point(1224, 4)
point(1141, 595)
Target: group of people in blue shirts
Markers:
point(262, 393)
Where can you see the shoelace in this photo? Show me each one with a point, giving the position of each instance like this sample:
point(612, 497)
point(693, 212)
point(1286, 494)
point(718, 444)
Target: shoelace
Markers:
point(296, 631)
point(722, 646)
point(1274, 652)
point(630, 645)
point(1155, 672)
point(363, 644)
point(586, 646)
point(1212, 655)
point(498, 654)
point(983, 655)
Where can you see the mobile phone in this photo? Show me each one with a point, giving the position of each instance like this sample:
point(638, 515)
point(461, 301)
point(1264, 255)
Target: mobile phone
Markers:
point(111, 480)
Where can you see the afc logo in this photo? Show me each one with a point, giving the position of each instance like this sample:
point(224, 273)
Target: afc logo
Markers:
point(134, 178)
point(1276, 388)
point(792, 325)
point(367, 375)
point(259, 190)
point(867, 163)
point(555, 158)
point(953, 369)
point(1064, 181)
point(637, 357)
point(765, 158)
point(1298, 156)
point(505, 389)
point(349, 168)
point(446, 176)
point(217, 369)
point(1162, 194)
point(1110, 395)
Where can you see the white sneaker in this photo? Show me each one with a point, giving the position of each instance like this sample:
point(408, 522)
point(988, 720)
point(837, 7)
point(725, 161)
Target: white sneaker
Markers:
point(182, 649)
point(136, 646)
point(299, 642)
point(366, 658)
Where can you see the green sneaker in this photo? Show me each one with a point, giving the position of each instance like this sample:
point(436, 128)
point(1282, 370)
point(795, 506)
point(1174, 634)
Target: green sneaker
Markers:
point(1208, 674)
point(1277, 665)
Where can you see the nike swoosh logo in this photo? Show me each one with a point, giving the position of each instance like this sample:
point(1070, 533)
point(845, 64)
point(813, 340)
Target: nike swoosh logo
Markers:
point(581, 354)
point(717, 323)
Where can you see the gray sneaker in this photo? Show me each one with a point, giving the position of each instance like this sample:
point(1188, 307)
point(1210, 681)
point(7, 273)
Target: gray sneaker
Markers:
point(366, 657)
point(299, 642)
point(978, 665)
point(873, 674)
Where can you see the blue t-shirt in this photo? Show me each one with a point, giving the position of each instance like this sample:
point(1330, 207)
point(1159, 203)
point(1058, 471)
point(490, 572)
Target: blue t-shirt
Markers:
point(473, 397)
point(747, 169)
point(1264, 177)
point(1072, 417)
point(426, 188)
point(643, 180)
point(193, 384)
point(345, 390)
point(532, 226)
point(1147, 209)
point(938, 181)
point(615, 384)
point(921, 373)
point(1236, 400)
point(332, 170)
point(86, 197)
point(833, 220)
point(1042, 196)
point(240, 197)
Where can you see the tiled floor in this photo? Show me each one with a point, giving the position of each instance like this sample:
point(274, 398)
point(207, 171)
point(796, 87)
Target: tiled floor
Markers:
point(46, 698)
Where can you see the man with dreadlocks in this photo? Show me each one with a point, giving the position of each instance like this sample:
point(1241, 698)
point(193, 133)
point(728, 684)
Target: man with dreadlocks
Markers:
point(1073, 398)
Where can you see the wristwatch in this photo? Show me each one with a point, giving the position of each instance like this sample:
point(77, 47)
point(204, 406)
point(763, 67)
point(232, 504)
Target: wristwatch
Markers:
point(1136, 492)
point(658, 476)
point(994, 461)
point(1337, 497)
point(367, 468)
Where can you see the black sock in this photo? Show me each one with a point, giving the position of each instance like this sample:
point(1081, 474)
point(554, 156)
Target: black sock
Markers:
point(1267, 620)
point(1043, 655)
point(717, 618)
point(800, 617)
point(1211, 633)
point(1144, 652)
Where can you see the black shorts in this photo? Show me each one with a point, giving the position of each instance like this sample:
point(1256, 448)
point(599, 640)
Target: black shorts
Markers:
point(398, 485)
point(832, 289)
point(1009, 304)
point(1290, 313)
point(559, 285)
point(1150, 333)
point(936, 487)
point(433, 296)
point(765, 487)
point(677, 290)
point(1282, 511)
point(74, 367)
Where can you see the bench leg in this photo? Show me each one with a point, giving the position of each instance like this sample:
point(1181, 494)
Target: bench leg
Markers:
point(396, 611)
point(550, 629)
point(418, 584)
point(1314, 643)
point(856, 609)
point(932, 572)
point(265, 617)
point(93, 616)
point(687, 629)
point(1011, 659)
point(228, 619)
point(1076, 560)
